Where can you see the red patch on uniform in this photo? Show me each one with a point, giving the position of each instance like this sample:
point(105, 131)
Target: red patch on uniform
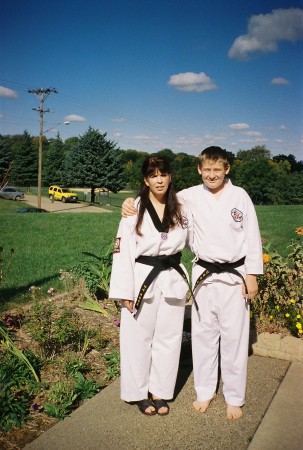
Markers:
point(183, 222)
point(237, 215)
point(117, 245)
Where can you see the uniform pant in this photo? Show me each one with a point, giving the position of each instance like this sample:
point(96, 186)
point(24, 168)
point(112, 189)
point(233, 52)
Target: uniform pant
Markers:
point(223, 317)
point(150, 348)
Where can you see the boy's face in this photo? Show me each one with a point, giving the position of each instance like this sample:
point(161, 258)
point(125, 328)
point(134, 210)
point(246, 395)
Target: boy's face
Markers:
point(213, 174)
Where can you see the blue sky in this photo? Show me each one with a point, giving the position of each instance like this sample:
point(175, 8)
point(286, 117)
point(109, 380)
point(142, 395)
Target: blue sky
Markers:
point(157, 74)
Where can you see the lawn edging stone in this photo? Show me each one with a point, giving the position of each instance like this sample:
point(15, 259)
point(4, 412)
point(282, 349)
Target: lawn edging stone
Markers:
point(277, 346)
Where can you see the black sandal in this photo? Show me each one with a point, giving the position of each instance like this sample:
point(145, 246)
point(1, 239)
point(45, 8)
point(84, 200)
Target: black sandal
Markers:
point(159, 403)
point(144, 404)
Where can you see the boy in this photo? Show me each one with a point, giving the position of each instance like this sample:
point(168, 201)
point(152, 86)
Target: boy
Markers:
point(228, 251)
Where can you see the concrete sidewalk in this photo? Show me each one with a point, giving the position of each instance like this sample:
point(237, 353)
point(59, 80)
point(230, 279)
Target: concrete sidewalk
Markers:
point(272, 417)
point(282, 426)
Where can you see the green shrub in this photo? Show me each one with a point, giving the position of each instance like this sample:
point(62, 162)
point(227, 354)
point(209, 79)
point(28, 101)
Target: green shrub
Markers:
point(17, 388)
point(279, 303)
point(54, 333)
point(96, 273)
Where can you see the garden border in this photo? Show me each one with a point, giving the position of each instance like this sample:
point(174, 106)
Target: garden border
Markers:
point(277, 346)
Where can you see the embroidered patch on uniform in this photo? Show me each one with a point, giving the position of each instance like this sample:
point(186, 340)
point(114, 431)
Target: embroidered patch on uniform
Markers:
point(117, 245)
point(183, 221)
point(236, 215)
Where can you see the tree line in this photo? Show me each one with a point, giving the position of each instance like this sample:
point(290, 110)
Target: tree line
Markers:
point(93, 161)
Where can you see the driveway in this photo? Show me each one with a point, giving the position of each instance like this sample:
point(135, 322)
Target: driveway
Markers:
point(57, 206)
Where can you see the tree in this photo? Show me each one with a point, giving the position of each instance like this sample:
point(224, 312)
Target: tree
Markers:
point(133, 160)
point(54, 163)
point(95, 162)
point(25, 168)
point(255, 154)
point(296, 166)
point(6, 157)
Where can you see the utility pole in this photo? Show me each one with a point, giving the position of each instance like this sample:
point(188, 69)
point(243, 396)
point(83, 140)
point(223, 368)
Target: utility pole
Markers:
point(42, 94)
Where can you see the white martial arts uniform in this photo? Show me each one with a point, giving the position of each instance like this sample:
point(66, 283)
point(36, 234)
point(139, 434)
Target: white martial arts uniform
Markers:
point(150, 342)
point(225, 230)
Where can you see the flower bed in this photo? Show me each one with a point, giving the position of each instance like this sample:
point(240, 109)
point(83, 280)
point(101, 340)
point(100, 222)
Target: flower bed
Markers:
point(278, 308)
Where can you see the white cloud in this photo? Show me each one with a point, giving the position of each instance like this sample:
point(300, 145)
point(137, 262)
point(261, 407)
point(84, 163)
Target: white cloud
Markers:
point(247, 141)
point(118, 119)
point(239, 126)
point(6, 92)
point(145, 138)
point(279, 80)
point(1, 116)
point(253, 133)
point(74, 118)
point(283, 127)
point(192, 82)
point(266, 30)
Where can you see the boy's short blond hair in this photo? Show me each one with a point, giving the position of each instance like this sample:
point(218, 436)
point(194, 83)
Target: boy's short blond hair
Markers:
point(214, 154)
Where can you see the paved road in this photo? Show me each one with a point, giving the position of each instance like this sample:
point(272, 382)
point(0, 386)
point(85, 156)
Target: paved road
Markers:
point(62, 207)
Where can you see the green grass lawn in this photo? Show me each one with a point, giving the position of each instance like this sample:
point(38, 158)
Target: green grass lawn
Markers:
point(278, 225)
point(44, 244)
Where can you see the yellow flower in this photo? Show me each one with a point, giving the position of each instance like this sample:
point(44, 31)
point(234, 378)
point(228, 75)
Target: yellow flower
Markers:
point(300, 331)
point(266, 258)
point(299, 326)
point(277, 307)
point(299, 231)
point(292, 301)
point(287, 315)
point(298, 316)
point(270, 317)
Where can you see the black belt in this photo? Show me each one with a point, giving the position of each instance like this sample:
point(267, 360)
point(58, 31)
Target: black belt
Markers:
point(160, 263)
point(216, 267)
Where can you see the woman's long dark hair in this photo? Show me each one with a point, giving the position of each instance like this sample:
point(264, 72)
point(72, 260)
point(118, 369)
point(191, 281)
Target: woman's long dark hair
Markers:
point(172, 207)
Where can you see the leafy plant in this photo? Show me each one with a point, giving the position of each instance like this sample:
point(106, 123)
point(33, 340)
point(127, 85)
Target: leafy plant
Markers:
point(92, 305)
point(62, 396)
point(75, 366)
point(65, 394)
point(279, 303)
point(112, 364)
point(85, 388)
point(17, 388)
point(53, 332)
point(9, 345)
point(97, 275)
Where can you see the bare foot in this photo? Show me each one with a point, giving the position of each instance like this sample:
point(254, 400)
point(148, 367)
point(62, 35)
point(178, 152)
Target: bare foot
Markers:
point(233, 412)
point(202, 406)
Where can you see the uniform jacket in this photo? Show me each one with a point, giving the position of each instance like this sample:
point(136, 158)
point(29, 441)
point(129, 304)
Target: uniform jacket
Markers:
point(127, 275)
point(225, 229)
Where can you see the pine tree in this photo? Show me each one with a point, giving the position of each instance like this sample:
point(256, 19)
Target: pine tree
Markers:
point(6, 157)
point(54, 163)
point(95, 162)
point(25, 168)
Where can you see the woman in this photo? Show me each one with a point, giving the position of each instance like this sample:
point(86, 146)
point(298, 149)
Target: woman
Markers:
point(152, 284)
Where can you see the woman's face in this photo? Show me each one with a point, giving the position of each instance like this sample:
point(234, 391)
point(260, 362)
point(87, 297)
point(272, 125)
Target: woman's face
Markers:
point(158, 183)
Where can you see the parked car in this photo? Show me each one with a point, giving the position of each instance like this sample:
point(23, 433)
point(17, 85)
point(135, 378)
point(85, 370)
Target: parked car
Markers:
point(31, 210)
point(63, 194)
point(11, 193)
